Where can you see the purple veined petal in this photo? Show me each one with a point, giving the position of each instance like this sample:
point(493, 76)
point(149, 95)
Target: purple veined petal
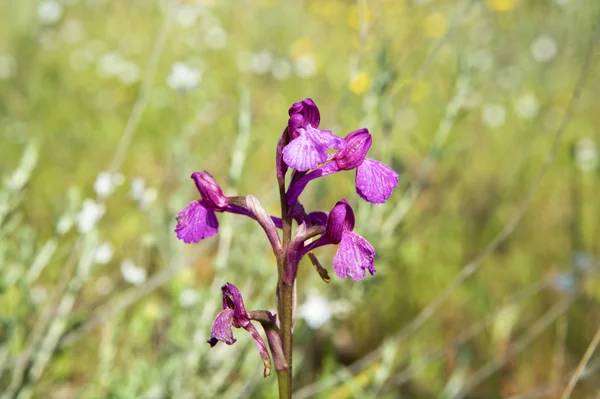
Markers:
point(196, 222)
point(375, 181)
point(297, 187)
point(309, 112)
point(339, 220)
point(325, 138)
point(221, 328)
point(303, 153)
point(354, 256)
point(358, 143)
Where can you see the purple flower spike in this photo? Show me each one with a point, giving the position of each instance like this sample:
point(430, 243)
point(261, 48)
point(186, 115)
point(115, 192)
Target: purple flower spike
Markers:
point(196, 222)
point(210, 191)
point(234, 315)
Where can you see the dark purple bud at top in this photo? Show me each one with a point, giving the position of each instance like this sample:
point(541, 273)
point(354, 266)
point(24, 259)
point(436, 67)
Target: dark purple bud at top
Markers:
point(341, 218)
point(353, 155)
point(301, 114)
point(210, 191)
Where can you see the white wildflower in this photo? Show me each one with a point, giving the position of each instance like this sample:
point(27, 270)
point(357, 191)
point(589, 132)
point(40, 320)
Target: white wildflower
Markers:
point(104, 253)
point(183, 77)
point(306, 66)
point(261, 62)
point(281, 70)
point(138, 186)
point(49, 11)
point(544, 48)
point(493, 115)
point(188, 298)
point(586, 155)
point(527, 106)
point(129, 73)
point(481, 60)
point(131, 273)
point(316, 311)
point(90, 214)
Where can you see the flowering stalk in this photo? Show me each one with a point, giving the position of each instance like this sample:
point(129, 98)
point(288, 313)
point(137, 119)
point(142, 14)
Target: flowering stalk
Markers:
point(302, 147)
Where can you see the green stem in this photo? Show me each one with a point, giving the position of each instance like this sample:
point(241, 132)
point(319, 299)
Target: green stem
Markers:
point(285, 300)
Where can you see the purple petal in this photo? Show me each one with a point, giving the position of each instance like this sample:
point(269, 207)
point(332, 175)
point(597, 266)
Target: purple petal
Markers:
point(304, 153)
point(353, 155)
point(309, 112)
point(354, 256)
point(210, 190)
point(196, 222)
point(325, 138)
point(375, 181)
point(339, 220)
point(221, 328)
point(298, 186)
point(232, 299)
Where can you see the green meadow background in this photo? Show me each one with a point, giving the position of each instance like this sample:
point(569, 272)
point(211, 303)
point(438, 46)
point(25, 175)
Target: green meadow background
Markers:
point(487, 252)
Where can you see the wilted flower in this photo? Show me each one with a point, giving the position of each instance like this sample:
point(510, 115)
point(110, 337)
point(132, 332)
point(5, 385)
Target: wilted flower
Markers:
point(234, 315)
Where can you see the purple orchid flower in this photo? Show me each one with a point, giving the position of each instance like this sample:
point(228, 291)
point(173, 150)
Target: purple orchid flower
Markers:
point(308, 145)
point(234, 315)
point(375, 181)
point(198, 221)
point(355, 255)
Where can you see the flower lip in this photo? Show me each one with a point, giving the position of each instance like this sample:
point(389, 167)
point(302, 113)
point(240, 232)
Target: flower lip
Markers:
point(353, 155)
point(211, 192)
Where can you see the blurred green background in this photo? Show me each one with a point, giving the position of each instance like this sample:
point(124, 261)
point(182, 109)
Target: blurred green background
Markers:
point(487, 253)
